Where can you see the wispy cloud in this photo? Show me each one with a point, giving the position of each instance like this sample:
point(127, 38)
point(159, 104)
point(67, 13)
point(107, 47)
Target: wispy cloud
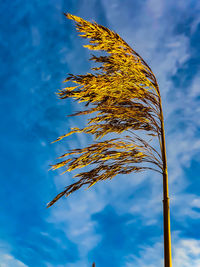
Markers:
point(7, 259)
point(186, 253)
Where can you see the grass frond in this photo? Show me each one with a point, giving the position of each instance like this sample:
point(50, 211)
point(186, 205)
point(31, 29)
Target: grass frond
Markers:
point(122, 96)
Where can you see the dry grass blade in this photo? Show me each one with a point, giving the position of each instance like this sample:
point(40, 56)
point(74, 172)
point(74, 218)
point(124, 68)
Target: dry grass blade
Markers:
point(121, 96)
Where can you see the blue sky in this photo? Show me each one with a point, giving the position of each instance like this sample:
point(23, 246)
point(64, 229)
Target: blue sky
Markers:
point(115, 223)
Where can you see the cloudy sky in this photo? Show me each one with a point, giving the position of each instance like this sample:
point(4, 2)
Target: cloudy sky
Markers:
point(116, 223)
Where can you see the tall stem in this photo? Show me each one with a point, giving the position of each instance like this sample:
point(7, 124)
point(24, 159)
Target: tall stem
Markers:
point(166, 211)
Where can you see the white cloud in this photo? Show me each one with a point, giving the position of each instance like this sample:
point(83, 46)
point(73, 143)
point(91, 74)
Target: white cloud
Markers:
point(148, 257)
point(185, 253)
point(195, 24)
point(73, 216)
point(194, 89)
point(6, 259)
